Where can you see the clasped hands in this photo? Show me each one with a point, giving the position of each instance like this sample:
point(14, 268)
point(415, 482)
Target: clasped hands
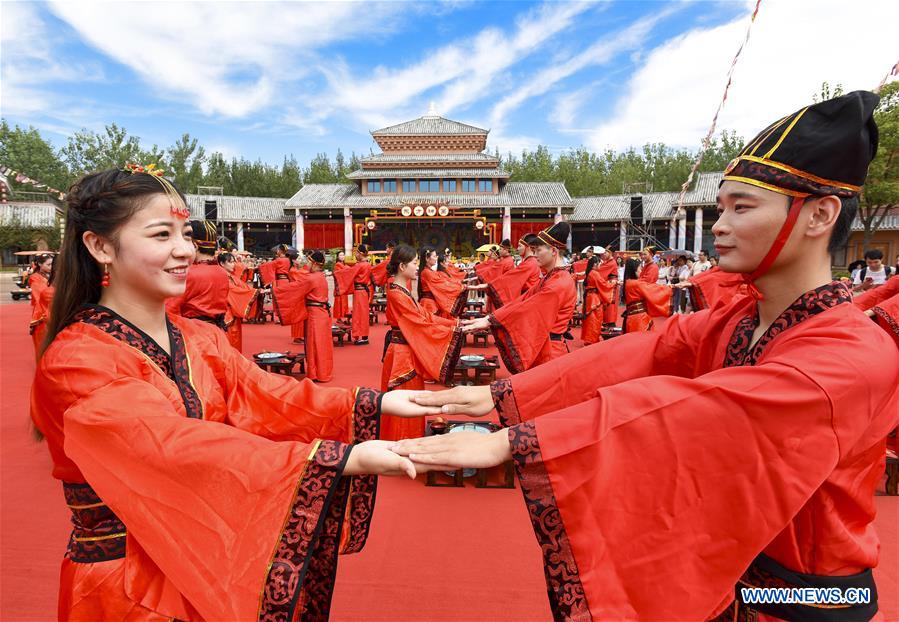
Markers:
point(435, 453)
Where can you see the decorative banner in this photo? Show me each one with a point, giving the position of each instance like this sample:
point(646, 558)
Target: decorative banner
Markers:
point(892, 72)
point(22, 178)
point(708, 137)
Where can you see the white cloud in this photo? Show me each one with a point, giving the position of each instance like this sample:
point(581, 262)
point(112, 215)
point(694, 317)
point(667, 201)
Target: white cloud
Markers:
point(794, 47)
point(462, 72)
point(227, 58)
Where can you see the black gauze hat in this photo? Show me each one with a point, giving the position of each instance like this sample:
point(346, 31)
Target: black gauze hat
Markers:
point(820, 150)
point(556, 235)
point(318, 257)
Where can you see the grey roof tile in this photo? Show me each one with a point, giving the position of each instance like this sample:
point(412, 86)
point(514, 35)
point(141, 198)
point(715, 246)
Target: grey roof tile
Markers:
point(430, 125)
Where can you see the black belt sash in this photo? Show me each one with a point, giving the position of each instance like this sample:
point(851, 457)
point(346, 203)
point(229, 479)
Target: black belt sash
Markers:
point(360, 286)
point(633, 308)
point(767, 573)
point(316, 303)
point(393, 336)
point(97, 534)
point(561, 336)
point(282, 277)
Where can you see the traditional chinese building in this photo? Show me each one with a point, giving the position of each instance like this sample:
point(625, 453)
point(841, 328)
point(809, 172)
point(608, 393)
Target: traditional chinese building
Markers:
point(432, 184)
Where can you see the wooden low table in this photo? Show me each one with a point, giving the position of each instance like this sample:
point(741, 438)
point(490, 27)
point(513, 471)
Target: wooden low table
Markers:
point(480, 337)
point(283, 365)
point(474, 305)
point(339, 333)
point(480, 373)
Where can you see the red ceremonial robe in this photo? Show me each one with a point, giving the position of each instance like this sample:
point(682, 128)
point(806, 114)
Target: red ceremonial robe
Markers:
point(441, 294)
point(578, 268)
point(884, 301)
point(507, 287)
point(379, 274)
point(609, 269)
point(684, 453)
point(645, 301)
point(342, 302)
point(488, 270)
point(713, 286)
point(37, 282)
point(242, 300)
point(205, 296)
point(304, 302)
point(523, 328)
point(267, 272)
point(298, 330)
point(356, 280)
point(598, 294)
point(40, 313)
point(201, 487)
point(455, 272)
point(650, 273)
point(419, 344)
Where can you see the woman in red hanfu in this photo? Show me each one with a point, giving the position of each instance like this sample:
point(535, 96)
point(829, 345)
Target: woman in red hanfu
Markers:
point(341, 302)
point(296, 273)
point(201, 487)
point(643, 300)
point(533, 328)
point(736, 447)
point(242, 300)
point(649, 269)
point(40, 282)
point(418, 344)
point(438, 291)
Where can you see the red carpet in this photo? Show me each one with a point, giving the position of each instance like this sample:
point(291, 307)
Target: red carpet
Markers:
point(434, 553)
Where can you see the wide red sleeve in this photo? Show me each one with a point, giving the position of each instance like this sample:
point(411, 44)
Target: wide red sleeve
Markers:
point(650, 273)
point(379, 273)
point(240, 525)
point(656, 299)
point(435, 341)
point(876, 295)
point(267, 272)
point(509, 286)
point(449, 293)
point(241, 298)
point(289, 298)
point(887, 315)
point(488, 270)
point(522, 327)
point(343, 279)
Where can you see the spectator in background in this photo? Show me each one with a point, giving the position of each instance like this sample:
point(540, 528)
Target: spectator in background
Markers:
point(702, 264)
point(874, 273)
point(713, 261)
point(855, 268)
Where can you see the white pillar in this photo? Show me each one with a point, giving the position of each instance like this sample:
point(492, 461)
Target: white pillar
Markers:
point(240, 242)
point(671, 232)
point(682, 232)
point(622, 235)
point(697, 231)
point(507, 225)
point(300, 231)
point(347, 230)
point(558, 217)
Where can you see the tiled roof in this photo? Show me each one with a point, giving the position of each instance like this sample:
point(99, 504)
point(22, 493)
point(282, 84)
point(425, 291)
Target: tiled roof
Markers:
point(430, 125)
point(30, 215)
point(890, 223)
point(656, 205)
point(418, 158)
point(389, 173)
point(240, 209)
point(514, 194)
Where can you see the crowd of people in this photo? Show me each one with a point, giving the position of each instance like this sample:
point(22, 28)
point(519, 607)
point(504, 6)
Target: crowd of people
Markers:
point(203, 488)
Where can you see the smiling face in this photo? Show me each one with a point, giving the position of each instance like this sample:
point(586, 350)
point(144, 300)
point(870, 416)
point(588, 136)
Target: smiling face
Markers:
point(151, 257)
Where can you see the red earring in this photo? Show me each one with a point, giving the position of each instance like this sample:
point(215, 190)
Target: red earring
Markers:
point(104, 281)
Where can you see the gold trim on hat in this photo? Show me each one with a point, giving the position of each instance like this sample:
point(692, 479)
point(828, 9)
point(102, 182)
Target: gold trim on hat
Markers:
point(766, 186)
point(543, 235)
point(764, 136)
point(784, 135)
point(800, 173)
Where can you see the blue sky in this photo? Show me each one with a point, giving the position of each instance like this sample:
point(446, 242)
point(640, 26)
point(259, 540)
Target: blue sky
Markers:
point(264, 80)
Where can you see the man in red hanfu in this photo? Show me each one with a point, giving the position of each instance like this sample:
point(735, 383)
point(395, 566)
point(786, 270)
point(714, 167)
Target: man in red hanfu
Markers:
point(533, 328)
point(304, 302)
point(736, 447)
point(358, 280)
point(506, 287)
point(206, 295)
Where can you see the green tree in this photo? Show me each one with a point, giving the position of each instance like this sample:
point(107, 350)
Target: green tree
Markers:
point(880, 193)
point(320, 171)
point(25, 150)
point(17, 237)
point(89, 151)
point(827, 93)
point(185, 162)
